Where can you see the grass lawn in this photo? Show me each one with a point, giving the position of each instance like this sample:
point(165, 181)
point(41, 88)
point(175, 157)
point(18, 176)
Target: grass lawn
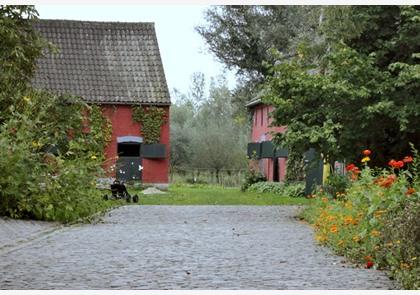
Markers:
point(215, 195)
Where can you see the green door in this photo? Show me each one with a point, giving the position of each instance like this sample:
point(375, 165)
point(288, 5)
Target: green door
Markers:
point(129, 169)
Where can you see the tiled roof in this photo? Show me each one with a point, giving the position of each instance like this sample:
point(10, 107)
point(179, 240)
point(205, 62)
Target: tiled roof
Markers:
point(103, 62)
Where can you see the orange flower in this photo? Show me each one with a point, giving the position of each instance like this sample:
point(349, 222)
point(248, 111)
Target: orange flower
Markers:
point(396, 164)
point(378, 213)
point(387, 182)
point(356, 239)
point(350, 167)
point(321, 238)
point(408, 159)
point(331, 218)
point(348, 220)
point(333, 228)
point(369, 264)
point(367, 152)
point(410, 191)
point(375, 233)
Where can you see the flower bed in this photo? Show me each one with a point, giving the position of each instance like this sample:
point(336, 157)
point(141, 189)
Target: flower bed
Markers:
point(375, 222)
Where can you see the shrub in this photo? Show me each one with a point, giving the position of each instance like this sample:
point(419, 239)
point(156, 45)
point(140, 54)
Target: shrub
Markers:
point(336, 185)
point(294, 189)
point(38, 184)
point(401, 236)
point(252, 177)
point(280, 188)
point(267, 187)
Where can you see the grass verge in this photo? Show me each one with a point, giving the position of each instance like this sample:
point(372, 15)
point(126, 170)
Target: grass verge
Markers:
point(182, 194)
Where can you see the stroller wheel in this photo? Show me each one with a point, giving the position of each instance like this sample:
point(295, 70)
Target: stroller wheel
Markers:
point(105, 197)
point(135, 198)
point(128, 198)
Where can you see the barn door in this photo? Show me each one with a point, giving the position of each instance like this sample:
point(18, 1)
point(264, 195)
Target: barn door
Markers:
point(129, 164)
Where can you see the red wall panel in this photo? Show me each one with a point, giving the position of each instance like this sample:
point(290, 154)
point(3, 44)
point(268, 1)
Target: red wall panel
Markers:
point(261, 131)
point(154, 170)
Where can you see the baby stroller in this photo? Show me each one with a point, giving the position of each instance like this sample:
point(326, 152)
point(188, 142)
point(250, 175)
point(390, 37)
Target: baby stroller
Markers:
point(119, 191)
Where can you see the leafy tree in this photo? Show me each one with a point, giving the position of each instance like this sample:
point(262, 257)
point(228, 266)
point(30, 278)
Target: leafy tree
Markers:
point(362, 91)
point(182, 115)
point(218, 142)
point(241, 36)
point(50, 153)
point(19, 48)
point(205, 134)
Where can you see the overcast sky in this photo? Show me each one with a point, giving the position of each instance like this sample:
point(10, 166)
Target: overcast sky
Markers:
point(182, 49)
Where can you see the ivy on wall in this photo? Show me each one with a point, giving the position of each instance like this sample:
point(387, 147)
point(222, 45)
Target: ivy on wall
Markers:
point(151, 119)
point(100, 126)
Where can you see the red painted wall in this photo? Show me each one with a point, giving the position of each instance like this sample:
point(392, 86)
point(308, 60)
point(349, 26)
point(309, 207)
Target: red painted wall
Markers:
point(154, 170)
point(261, 131)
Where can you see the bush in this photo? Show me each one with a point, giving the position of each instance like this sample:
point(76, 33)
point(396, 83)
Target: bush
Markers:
point(294, 189)
point(280, 188)
point(401, 234)
point(51, 147)
point(376, 223)
point(38, 184)
point(336, 185)
point(252, 177)
point(267, 187)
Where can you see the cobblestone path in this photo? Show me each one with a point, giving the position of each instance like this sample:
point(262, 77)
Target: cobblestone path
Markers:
point(184, 247)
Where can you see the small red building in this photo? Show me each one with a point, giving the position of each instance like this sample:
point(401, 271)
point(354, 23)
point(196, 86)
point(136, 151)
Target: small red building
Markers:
point(117, 66)
point(271, 162)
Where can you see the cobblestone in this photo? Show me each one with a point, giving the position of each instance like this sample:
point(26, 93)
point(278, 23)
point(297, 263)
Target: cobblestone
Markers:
point(15, 232)
point(185, 247)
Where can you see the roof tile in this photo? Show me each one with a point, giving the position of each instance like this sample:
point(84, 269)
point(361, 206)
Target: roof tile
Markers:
point(103, 62)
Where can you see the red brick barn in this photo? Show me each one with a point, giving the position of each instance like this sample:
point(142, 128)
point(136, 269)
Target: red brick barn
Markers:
point(266, 158)
point(117, 66)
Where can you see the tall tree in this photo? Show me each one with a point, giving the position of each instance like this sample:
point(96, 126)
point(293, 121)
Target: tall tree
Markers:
point(20, 46)
point(363, 92)
point(206, 134)
point(242, 36)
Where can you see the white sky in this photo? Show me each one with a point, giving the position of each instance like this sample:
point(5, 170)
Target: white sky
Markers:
point(182, 49)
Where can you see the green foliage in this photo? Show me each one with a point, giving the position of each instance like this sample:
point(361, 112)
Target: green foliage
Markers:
point(336, 185)
point(279, 188)
point(368, 77)
point(294, 189)
point(295, 167)
point(402, 225)
point(50, 152)
point(242, 36)
point(266, 187)
point(41, 185)
point(19, 48)
point(376, 221)
point(151, 119)
point(252, 177)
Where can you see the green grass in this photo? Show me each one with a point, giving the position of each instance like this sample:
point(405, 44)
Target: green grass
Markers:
point(215, 195)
